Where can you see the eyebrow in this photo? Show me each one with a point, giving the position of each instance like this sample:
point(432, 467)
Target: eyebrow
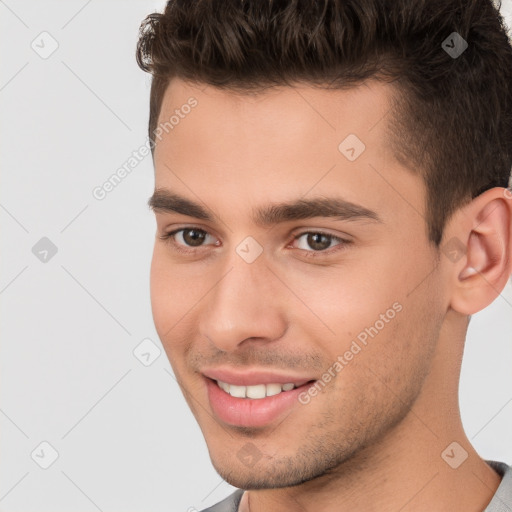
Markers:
point(165, 201)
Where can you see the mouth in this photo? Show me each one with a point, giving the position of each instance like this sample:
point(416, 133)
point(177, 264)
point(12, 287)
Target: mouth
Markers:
point(254, 405)
point(257, 391)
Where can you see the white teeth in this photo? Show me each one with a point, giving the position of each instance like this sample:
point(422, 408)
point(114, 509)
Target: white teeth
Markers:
point(223, 385)
point(237, 391)
point(273, 389)
point(256, 392)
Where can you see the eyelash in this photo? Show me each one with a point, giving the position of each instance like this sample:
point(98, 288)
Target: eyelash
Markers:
point(169, 238)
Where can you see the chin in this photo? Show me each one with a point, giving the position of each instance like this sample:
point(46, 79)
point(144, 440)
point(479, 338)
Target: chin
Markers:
point(268, 472)
point(254, 480)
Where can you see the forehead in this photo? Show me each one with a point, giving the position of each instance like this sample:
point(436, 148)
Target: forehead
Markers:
point(281, 144)
point(276, 114)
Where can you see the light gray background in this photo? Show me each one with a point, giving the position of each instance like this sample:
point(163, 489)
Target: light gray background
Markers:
point(125, 438)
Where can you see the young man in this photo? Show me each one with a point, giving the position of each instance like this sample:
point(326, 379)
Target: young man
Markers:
point(332, 207)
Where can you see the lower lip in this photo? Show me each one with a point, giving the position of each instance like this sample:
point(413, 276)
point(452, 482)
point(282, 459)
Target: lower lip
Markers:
point(251, 412)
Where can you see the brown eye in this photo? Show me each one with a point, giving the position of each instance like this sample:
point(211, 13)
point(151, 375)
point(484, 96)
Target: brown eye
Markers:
point(193, 237)
point(318, 241)
point(318, 244)
point(185, 240)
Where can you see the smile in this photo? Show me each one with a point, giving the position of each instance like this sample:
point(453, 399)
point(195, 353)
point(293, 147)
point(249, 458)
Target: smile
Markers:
point(257, 391)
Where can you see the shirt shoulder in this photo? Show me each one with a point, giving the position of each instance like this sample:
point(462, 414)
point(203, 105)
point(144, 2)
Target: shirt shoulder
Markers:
point(502, 499)
point(229, 504)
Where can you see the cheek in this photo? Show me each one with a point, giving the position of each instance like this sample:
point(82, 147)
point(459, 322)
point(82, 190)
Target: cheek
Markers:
point(168, 290)
point(366, 309)
point(177, 292)
point(398, 339)
point(340, 302)
point(159, 285)
point(383, 374)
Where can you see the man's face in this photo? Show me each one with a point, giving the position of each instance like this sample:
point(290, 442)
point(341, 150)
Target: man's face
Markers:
point(282, 301)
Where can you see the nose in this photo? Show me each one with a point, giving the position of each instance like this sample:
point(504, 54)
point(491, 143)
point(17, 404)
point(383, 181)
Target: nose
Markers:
point(245, 304)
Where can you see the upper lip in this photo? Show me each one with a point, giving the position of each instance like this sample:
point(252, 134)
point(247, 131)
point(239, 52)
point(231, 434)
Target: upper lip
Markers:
point(251, 377)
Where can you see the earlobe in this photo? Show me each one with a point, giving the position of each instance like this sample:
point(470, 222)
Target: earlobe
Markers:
point(488, 253)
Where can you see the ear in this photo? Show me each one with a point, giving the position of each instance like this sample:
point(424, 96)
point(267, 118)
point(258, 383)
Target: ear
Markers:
point(482, 232)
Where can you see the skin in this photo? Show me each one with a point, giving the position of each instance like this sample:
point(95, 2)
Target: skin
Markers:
point(372, 439)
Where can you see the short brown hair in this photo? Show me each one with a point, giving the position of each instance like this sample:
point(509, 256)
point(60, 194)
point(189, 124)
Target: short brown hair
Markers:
point(451, 117)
